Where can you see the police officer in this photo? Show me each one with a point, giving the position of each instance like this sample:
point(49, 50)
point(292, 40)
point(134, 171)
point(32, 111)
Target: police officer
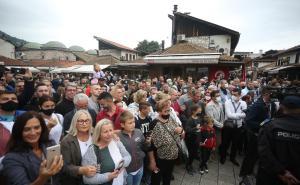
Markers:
point(279, 147)
point(263, 109)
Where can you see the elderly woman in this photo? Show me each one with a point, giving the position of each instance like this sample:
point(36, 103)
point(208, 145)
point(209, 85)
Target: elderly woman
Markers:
point(166, 138)
point(25, 161)
point(107, 155)
point(74, 146)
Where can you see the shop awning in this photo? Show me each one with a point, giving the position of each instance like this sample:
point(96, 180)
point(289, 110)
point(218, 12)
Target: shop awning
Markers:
point(276, 71)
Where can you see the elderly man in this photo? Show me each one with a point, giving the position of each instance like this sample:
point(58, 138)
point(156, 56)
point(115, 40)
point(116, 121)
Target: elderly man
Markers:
point(81, 102)
point(224, 92)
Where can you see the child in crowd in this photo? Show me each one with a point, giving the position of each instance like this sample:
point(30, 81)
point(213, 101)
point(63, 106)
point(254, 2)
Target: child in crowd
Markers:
point(192, 130)
point(207, 142)
point(144, 122)
point(134, 142)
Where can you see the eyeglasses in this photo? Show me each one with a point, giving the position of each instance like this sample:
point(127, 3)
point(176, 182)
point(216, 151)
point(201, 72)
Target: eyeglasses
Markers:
point(82, 121)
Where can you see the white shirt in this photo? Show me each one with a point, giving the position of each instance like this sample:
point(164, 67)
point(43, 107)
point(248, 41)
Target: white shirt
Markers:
point(56, 131)
point(84, 145)
point(239, 115)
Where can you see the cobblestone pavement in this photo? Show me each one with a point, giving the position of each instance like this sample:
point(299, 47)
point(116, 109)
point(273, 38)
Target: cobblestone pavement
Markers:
point(218, 174)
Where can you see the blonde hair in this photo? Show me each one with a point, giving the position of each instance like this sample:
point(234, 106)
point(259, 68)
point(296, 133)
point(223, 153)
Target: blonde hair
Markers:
point(98, 128)
point(139, 95)
point(73, 129)
point(160, 96)
point(125, 115)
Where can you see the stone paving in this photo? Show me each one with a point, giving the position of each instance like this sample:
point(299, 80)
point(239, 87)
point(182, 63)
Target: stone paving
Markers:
point(218, 174)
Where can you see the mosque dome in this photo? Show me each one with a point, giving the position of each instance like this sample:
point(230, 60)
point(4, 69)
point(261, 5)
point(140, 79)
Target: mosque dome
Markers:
point(54, 44)
point(76, 48)
point(92, 52)
point(32, 45)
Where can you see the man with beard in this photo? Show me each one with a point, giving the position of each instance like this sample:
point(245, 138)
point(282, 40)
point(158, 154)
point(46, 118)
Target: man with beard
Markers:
point(67, 105)
point(109, 110)
point(40, 90)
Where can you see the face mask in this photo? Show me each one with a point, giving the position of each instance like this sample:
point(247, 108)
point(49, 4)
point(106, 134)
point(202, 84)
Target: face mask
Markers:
point(198, 114)
point(218, 99)
point(48, 112)
point(165, 116)
point(234, 98)
point(9, 106)
point(243, 87)
point(226, 85)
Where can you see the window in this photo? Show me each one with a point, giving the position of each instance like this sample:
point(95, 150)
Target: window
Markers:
point(133, 57)
point(130, 57)
point(126, 58)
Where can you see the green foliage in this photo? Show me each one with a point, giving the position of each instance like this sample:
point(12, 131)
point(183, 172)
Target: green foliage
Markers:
point(145, 47)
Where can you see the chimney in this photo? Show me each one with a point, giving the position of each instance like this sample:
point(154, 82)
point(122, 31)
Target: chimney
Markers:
point(261, 51)
point(163, 45)
point(175, 8)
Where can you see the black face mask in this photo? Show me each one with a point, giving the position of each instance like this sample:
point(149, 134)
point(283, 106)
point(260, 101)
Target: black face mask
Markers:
point(9, 106)
point(165, 116)
point(243, 87)
point(198, 114)
point(48, 112)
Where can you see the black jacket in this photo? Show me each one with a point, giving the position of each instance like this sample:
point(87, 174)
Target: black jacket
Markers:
point(257, 113)
point(279, 146)
point(26, 95)
point(64, 107)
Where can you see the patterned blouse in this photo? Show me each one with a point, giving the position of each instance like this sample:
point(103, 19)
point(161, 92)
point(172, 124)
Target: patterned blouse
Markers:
point(163, 141)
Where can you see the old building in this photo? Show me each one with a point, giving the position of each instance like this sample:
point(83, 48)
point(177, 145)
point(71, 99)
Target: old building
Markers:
point(187, 59)
point(287, 64)
point(8, 45)
point(119, 51)
point(203, 33)
point(52, 50)
point(199, 48)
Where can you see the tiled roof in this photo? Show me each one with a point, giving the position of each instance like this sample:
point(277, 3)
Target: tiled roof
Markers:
point(50, 63)
point(185, 48)
point(292, 49)
point(11, 62)
point(92, 59)
point(117, 45)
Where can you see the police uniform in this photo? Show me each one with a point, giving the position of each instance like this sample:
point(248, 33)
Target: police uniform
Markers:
point(279, 149)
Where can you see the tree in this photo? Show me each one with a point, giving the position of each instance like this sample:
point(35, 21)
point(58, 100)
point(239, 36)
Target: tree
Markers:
point(145, 47)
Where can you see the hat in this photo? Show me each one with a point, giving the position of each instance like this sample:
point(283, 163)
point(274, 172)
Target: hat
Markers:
point(291, 102)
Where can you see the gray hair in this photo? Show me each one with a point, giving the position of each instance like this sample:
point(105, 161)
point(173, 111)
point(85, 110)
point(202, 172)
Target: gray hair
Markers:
point(73, 129)
point(80, 96)
point(98, 128)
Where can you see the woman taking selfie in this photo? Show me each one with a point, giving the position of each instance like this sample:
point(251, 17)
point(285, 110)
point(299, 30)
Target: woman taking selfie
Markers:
point(73, 147)
point(110, 157)
point(25, 161)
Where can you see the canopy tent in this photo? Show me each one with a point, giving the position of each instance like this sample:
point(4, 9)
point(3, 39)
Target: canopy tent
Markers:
point(77, 69)
point(32, 69)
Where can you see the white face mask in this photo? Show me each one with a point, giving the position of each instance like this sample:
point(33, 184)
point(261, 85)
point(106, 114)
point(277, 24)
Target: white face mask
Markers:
point(234, 98)
point(218, 99)
point(226, 85)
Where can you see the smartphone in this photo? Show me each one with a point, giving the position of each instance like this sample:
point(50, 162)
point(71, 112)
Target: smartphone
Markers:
point(120, 165)
point(52, 151)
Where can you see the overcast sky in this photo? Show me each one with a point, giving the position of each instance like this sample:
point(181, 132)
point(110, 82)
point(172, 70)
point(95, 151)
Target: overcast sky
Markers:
point(263, 24)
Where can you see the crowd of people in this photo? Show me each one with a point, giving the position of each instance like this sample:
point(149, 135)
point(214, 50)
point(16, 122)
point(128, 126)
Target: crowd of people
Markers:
point(115, 130)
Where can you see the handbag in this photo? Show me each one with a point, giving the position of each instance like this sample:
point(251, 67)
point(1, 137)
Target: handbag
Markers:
point(229, 122)
point(183, 152)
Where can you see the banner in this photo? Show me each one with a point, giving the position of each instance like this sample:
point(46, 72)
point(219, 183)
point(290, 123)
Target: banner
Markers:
point(218, 73)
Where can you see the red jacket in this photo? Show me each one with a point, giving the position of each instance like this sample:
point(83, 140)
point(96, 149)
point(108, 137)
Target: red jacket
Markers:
point(115, 118)
point(208, 137)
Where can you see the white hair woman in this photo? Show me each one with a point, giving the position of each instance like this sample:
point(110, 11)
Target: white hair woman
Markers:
point(138, 97)
point(74, 146)
point(107, 155)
